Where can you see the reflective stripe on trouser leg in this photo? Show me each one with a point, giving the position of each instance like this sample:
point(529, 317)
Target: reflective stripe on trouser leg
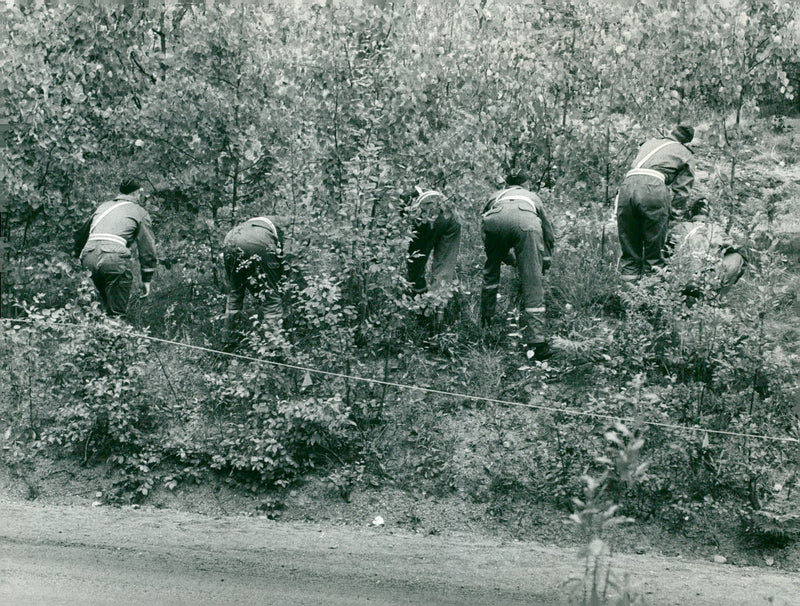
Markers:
point(534, 330)
point(530, 252)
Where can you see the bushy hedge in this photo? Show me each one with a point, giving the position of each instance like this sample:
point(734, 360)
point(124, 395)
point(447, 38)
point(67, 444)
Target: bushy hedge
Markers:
point(329, 115)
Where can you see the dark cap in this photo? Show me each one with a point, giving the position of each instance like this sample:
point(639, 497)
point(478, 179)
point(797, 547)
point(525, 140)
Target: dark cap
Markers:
point(516, 177)
point(683, 133)
point(129, 185)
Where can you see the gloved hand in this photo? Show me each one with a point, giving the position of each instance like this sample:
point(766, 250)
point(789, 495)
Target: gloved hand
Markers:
point(146, 286)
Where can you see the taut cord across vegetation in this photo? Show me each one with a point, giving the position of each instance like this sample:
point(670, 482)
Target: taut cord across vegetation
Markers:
point(577, 413)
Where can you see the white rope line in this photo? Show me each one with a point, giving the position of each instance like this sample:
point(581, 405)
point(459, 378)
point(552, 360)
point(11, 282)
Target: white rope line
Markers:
point(327, 373)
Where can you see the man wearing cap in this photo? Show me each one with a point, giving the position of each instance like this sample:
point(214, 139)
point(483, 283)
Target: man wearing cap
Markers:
point(436, 229)
point(514, 220)
point(115, 226)
point(656, 188)
point(253, 257)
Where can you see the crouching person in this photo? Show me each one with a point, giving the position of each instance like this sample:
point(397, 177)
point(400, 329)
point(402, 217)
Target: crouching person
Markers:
point(656, 188)
point(112, 230)
point(514, 220)
point(707, 252)
point(253, 256)
point(437, 230)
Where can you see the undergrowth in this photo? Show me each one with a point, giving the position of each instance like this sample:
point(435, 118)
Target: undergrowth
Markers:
point(281, 120)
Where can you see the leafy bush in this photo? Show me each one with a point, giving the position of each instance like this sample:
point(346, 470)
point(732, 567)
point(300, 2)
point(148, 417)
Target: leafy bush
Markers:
point(596, 512)
point(276, 443)
point(329, 115)
point(98, 379)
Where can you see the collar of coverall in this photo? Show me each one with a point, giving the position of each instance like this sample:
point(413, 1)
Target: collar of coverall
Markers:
point(686, 145)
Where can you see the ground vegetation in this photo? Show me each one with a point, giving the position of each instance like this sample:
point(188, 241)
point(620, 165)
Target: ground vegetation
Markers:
point(329, 114)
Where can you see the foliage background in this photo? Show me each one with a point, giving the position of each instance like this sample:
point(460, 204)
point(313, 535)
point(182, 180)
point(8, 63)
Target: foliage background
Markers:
point(329, 114)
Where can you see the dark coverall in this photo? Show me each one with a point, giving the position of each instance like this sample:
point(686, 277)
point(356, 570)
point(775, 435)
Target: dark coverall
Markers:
point(440, 235)
point(514, 218)
point(253, 257)
point(115, 226)
point(645, 203)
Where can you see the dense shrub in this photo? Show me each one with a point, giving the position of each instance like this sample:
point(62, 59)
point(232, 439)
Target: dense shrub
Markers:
point(331, 115)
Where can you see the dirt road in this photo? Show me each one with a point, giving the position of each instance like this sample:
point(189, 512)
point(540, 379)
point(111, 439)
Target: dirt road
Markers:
point(91, 556)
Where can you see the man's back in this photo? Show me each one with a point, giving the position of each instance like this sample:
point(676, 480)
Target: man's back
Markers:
point(120, 217)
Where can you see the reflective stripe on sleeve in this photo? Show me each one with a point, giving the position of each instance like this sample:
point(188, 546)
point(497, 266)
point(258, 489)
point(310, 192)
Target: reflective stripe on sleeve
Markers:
point(534, 310)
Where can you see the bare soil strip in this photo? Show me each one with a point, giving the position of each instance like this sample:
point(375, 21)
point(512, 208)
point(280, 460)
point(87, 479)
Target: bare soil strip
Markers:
point(59, 555)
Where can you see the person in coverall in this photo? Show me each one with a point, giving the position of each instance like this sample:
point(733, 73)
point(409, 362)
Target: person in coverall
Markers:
point(436, 229)
point(516, 231)
point(253, 256)
point(706, 252)
point(115, 226)
point(656, 188)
